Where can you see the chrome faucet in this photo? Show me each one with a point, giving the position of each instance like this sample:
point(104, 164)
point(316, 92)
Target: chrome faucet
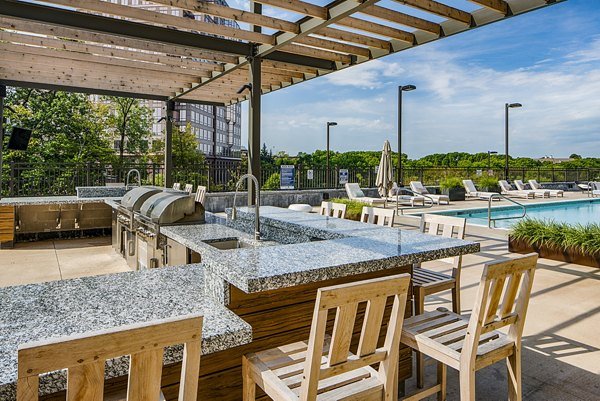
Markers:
point(139, 177)
point(256, 203)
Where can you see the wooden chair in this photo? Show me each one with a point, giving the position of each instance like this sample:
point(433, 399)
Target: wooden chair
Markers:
point(468, 345)
point(427, 282)
point(84, 356)
point(378, 215)
point(331, 209)
point(201, 194)
point(325, 366)
point(188, 188)
point(177, 186)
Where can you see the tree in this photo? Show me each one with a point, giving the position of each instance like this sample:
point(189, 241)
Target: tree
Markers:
point(66, 127)
point(185, 148)
point(574, 156)
point(132, 122)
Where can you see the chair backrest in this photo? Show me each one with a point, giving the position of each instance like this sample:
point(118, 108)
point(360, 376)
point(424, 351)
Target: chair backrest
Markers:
point(520, 186)
point(353, 190)
point(505, 185)
point(188, 188)
point(331, 209)
point(201, 194)
point(469, 186)
point(596, 185)
point(84, 356)
point(177, 186)
point(345, 299)
point(534, 184)
point(418, 187)
point(378, 215)
point(448, 227)
point(502, 300)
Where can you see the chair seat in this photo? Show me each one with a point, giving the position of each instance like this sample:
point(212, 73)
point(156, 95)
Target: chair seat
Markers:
point(440, 334)
point(282, 368)
point(431, 280)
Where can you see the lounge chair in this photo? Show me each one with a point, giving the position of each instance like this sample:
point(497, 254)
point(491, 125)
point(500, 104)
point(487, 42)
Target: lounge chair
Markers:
point(595, 188)
point(553, 192)
point(472, 192)
point(544, 193)
point(418, 187)
point(507, 190)
point(406, 199)
point(355, 193)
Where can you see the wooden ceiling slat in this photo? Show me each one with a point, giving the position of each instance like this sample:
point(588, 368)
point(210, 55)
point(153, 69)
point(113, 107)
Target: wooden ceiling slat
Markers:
point(339, 34)
point(297, 6)
point(440, 9)
point(402, 19)
point(378, 29)
point(335, 46)
point(114, 40)
point(497, 5)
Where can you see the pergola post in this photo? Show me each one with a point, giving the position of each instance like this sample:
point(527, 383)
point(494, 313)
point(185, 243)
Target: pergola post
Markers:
point(2, 96)
point(254, 125)
point(169, 145)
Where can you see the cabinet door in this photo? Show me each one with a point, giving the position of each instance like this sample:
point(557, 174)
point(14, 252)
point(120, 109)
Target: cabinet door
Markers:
point(176, 254)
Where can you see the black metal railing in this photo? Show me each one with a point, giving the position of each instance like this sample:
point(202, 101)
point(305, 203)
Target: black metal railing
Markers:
point(43, 179)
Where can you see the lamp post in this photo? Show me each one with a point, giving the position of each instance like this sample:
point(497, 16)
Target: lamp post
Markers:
point(401, 88)
point(491, 152)
point(506, 107)
point(329, 124)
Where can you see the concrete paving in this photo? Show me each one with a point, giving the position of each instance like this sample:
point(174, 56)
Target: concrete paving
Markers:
point(36, 262)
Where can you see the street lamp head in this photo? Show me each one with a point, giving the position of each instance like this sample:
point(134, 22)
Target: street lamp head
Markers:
point(514, 105)
point(331, 123)
point(408, 88)
point(492, 152)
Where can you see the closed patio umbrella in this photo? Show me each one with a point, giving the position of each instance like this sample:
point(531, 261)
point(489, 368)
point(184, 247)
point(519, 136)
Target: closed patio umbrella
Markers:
point(385, 178)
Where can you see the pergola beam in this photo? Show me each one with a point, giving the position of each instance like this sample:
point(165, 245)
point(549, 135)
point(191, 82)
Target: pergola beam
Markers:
point(440, 9)
point(397, 17)
point(500, 6)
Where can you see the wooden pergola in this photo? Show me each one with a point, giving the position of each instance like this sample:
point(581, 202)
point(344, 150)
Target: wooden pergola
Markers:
point(99, 47)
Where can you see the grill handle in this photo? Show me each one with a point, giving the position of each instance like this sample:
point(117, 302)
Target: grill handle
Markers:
point(165, 254)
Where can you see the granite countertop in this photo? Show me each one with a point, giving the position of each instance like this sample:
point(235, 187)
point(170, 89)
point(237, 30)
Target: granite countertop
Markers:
point(45, 200)
point(346, 248)
point(41, 311)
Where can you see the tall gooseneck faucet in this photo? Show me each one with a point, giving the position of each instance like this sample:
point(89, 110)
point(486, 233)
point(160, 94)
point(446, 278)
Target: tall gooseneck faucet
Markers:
point(256, 203)
point(139, 177)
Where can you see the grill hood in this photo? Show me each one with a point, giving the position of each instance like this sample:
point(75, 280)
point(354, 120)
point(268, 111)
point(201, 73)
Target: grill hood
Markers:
point(134, 199)
point(168, 208)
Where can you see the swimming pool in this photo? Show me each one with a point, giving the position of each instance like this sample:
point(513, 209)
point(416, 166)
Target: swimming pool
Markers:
point(573, 212)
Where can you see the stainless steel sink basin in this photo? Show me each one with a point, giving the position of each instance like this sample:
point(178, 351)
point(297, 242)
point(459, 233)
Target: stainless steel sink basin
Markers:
point(237, 243)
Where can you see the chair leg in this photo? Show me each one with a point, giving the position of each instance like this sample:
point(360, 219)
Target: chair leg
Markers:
point(419, 295)
point(513, 363)
point(441, 378)
point(456, 298)
point(467, 383)
point(249, 386)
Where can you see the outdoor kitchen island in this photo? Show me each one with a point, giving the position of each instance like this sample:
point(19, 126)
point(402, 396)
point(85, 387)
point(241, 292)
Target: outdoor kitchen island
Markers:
point(273, 287)
point(253, 298)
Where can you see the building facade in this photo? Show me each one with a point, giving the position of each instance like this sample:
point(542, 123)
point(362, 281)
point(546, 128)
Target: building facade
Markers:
point(217, 128)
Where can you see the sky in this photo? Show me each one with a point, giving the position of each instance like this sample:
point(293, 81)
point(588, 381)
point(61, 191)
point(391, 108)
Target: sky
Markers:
point(548, 60)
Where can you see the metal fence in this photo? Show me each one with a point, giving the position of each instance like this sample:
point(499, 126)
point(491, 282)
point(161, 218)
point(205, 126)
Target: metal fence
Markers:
point(42, 179)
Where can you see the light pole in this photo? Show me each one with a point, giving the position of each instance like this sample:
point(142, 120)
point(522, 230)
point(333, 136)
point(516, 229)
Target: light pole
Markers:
point(401, 88)
point(329, 124)
point(491, 152)
point(506, 107)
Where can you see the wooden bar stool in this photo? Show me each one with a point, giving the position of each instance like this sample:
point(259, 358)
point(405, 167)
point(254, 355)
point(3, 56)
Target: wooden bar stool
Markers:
point(84, 356)
point(331, 209)
point(470, 344)
point(378, 215)
point(324, 366)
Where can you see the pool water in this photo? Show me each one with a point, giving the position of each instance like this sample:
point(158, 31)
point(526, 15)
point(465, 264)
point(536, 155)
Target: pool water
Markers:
point(573, 212)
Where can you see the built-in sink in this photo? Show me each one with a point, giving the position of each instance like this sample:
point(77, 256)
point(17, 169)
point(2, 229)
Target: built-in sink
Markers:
point(237, 243)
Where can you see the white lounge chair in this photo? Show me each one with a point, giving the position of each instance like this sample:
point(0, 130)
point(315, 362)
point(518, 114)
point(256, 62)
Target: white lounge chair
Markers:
point(553, 192)
point(472, 192)
point(544, 193)
point(595, 188)
point(418, 187)
point(355, 193)
point(397, 196)
point(507, 190)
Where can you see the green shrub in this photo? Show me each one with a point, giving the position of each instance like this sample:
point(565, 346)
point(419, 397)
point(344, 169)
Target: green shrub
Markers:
point(273, 182)
point(451, 182)
point(353, 208)
point(488, 182)
point(548, 233)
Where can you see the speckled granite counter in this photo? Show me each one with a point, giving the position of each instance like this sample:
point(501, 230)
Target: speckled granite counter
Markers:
point(38, 311)
point(102, 192)
point(342, 248)
point(51, 200)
